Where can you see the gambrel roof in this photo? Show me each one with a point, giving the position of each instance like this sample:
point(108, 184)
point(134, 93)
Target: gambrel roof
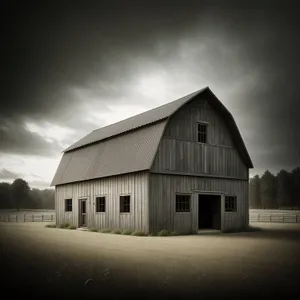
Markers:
point(130, 145)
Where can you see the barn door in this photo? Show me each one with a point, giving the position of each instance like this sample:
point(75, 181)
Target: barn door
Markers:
point(82, 213)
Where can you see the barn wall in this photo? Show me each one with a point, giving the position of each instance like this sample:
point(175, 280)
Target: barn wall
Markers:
point(179, 150)
point(134, 184)
point(163, 189)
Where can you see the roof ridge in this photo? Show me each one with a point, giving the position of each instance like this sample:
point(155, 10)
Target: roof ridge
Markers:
point(149, 110)
point(142, 119)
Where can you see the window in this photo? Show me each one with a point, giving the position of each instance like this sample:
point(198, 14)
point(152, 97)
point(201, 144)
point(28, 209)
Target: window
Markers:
point(68, 205)
point(124, 204)
point(100, 204)
point(230, 204)
point(202, 133)
point(183, 203)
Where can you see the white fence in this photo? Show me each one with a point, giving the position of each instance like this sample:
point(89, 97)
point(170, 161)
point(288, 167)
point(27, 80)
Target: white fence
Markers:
point(274, 216)
point(255, 215)
point(27, 216)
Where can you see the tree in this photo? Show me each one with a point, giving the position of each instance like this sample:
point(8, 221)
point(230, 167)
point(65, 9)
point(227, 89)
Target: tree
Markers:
point(254, 192)
point(295, 183)
point(19, 192)
point(283, 189)
point(5, 195)
point(268, 190)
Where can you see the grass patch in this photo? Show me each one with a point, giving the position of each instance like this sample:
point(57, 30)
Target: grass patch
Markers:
point(127, 232)
point(51, 225)
point(164, 232)
point(64, 225)
point(174, 233)
point(139, 233)
point(72, 227)
point(92, 229)
point(106, 230)
point(116, 231)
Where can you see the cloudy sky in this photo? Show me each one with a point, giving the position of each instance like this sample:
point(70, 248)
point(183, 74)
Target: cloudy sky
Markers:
point(70, 67)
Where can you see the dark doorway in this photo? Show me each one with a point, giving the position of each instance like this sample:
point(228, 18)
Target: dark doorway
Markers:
point(82, 213)
point(209, 212)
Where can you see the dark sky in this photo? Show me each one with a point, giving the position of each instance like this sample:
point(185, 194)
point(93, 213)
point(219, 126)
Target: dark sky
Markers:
point(69, 67)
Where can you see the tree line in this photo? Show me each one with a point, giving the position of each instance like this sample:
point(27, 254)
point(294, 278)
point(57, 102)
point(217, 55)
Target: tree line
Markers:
point(275, 191)
point(18, 195)
point(266, 192)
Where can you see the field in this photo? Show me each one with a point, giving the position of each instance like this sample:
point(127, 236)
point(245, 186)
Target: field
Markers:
point(39, 262)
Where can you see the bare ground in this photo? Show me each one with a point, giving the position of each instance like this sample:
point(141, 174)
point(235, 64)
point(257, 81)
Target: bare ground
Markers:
point(39, 262)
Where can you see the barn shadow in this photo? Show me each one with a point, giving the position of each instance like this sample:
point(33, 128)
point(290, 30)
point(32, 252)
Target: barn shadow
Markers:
point(271, 231)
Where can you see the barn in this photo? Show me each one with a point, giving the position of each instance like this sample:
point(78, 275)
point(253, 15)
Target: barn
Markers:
point(182, 166)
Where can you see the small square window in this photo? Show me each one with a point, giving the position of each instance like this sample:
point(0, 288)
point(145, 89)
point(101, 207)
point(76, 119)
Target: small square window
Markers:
point(100, 204)
point(68, 204)
point(124, 204)
point(202, 133)
point(183, 203)
point(230, 204)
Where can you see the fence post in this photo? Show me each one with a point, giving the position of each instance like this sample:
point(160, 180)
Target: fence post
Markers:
point(51, 218)
point(24, 218)
point(42, 219)
point(32, 218)
point(17, 218)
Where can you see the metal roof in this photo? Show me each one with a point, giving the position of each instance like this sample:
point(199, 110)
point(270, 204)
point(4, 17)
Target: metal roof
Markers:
point(130, 145)
point(130, 152)
point(150, 116)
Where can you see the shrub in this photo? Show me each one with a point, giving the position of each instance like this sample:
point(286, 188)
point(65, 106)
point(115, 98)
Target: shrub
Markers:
point(117, 231)
point(164, 232)
point(51, 225)
point(72, 227)
point(105, 230)
point(174, 233)
point(139, 233)
point(93, 229)
point(127, 232)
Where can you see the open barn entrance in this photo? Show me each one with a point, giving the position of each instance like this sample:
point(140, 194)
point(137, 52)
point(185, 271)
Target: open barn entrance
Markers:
point(209, 208)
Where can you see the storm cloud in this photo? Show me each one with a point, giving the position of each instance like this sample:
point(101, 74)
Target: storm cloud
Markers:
point(6, 174)
point(73, 66)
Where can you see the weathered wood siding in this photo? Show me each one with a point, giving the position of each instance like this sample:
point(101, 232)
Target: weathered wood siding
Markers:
point(162, 194)
point(179, 150)
point(134, 184)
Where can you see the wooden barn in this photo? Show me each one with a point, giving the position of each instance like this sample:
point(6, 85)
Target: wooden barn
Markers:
point(182, 166)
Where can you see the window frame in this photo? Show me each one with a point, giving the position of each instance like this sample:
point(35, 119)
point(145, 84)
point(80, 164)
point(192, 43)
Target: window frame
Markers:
point(122, 205)
point(100, 196)
point(231, 206)
point(189, 203)
point(199, 132)
point(67, 205)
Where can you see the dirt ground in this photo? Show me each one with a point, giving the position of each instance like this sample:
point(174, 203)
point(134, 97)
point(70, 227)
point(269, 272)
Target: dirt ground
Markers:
point(39, 262)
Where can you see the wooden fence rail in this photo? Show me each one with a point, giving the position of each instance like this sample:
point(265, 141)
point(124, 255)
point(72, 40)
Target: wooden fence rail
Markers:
point(274, 217)
point(27, 218)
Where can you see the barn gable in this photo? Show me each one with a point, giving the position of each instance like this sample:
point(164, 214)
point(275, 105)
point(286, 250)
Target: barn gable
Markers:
point(131, 145)
point(222, 153)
